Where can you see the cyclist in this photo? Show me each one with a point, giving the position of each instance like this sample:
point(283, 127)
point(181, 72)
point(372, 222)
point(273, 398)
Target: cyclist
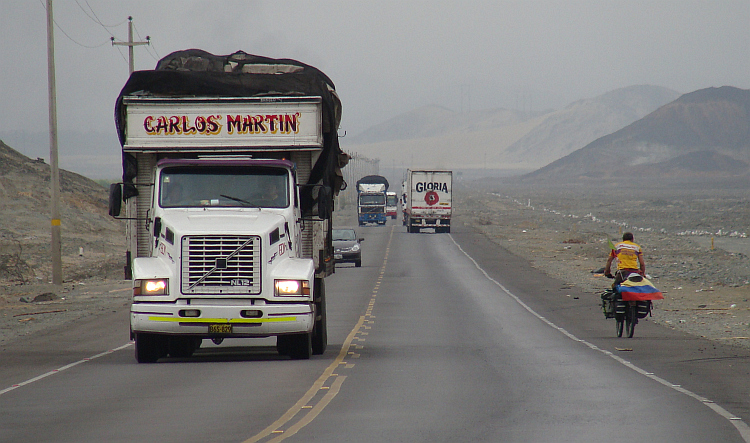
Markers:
point(629, 260)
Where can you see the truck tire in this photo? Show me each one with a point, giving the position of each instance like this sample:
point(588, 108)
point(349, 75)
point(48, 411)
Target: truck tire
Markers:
point(358, 264)
point(300, 346)
point(320, 328)
point(182, 347)
point(283, 344)
point(150, 347)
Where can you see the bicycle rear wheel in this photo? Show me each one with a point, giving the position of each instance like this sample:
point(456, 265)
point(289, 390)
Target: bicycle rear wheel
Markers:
point(631, 319)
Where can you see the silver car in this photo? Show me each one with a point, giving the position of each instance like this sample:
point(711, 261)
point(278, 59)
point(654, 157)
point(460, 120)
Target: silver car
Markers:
point(347, 246)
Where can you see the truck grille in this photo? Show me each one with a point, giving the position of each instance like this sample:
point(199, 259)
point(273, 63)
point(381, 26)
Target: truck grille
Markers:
point(221, 264)
point(372, 209)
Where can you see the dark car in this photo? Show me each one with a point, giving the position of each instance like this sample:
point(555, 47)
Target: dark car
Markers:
point(347, 247)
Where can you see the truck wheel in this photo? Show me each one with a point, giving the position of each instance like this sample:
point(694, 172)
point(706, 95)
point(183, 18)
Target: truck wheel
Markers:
point(182, 347)
point(358, 264)
point(300, 346)
point(150, 347)
point(320, 329)
point(447, 230)
point(283, 344)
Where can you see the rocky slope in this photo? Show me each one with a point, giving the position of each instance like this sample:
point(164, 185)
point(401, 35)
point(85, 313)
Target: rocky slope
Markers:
point(704, 133)
point(92, 242)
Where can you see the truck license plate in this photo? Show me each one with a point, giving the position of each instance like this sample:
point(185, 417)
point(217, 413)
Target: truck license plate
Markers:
point(219, 329)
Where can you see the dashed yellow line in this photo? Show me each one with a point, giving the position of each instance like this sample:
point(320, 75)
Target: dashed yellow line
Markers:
point(276, 430)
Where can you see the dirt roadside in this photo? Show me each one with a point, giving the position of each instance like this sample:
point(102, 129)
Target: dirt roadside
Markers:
point(562, 232)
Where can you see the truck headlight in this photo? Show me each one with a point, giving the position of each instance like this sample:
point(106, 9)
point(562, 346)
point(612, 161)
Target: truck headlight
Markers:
point(292, 287)
point(151, 287)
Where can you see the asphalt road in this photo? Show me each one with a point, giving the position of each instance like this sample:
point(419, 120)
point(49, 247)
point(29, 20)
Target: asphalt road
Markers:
point(436, 337)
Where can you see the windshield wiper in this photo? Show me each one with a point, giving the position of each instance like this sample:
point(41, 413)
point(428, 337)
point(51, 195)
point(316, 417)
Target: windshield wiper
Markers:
point(245, 202)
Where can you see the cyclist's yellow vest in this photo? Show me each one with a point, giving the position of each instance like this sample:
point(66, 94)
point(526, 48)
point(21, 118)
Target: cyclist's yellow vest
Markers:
point(627, 254)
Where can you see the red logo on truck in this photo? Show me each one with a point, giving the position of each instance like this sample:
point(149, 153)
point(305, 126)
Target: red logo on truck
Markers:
point(431, 198)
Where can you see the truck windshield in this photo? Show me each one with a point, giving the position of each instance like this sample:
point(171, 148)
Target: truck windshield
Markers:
point(392, 200)
point(229, 186)
point(372, 199)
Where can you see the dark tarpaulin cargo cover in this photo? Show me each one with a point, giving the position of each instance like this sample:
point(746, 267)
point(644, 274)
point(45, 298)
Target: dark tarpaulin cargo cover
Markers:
point(373, 180)
point(197, 73)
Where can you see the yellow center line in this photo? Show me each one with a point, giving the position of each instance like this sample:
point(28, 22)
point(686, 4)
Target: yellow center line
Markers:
point(275, 429)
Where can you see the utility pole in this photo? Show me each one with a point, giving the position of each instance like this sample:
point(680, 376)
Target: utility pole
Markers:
point(130, 206)
point(130, 44)
point(56, 245)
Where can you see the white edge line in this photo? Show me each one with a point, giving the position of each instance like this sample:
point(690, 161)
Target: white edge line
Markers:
point(62, 368)
point(737, 422)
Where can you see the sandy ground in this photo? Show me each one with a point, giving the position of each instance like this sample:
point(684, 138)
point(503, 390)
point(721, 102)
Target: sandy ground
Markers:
point(703, 276)
point(563, 232)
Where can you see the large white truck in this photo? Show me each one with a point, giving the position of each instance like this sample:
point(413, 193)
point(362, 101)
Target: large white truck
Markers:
point(428, 200)
point(230, 167)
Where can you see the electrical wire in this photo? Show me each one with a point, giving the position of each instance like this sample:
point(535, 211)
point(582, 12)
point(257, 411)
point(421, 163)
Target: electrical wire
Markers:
point(147, 46)
point(44, 6)
point(96, 18)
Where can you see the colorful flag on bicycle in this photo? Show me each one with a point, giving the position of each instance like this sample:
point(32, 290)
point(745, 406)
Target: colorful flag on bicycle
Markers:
point(639, 290)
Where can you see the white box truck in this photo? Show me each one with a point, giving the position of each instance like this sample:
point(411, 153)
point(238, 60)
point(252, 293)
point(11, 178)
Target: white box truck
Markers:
point(230, 167)
point(428, 200)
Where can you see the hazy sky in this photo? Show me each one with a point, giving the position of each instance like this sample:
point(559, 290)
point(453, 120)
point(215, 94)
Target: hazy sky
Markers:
point(385, 57)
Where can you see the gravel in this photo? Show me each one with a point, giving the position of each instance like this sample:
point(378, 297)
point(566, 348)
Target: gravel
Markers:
point(693, 237)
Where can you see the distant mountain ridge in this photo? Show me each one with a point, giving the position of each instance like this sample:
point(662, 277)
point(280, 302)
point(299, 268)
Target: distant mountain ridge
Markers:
point(434, 136)
point(705, 132)
point(583, 121)
point(93, 154)
point(432, 121)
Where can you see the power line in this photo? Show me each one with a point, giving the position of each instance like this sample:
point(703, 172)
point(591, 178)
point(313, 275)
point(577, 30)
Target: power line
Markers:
point(71, 38)
point(155, 57)
point(96, 18)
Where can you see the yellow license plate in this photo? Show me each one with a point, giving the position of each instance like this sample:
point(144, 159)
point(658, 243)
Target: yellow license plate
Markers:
point(219, 329)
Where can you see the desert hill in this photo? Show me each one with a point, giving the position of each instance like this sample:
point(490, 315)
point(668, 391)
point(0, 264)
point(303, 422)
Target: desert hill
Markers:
point(583, 121)
point(704, 133)
point(434, 136)
point(25, 222)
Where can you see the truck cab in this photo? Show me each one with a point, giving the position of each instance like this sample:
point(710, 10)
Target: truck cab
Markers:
point(391, 204)
point(229, 176)
point(371, 204)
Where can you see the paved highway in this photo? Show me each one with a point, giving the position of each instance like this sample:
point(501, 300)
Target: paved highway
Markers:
point(436, 337)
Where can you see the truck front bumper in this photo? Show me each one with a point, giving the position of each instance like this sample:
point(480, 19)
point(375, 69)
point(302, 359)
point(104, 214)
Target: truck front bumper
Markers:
point(372, 218)
point(221, 321)
point(430, 222)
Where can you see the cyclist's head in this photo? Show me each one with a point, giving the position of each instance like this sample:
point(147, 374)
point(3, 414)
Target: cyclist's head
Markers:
point(628, 236)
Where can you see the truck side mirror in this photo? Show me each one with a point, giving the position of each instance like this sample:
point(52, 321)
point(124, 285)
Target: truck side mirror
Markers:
point(115, 199)
point(324, 203)
point(157, 226)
